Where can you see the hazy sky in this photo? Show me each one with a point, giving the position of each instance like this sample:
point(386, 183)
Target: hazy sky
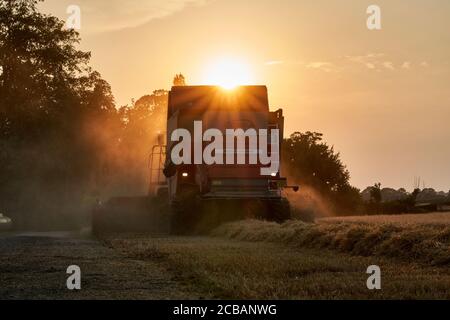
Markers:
point(382, 98)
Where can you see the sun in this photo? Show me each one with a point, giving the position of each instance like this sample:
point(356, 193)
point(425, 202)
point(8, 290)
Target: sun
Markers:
point(228, 73)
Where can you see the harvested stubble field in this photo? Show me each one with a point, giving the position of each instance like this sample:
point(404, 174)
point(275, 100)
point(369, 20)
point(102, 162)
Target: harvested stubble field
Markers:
point(326, 260)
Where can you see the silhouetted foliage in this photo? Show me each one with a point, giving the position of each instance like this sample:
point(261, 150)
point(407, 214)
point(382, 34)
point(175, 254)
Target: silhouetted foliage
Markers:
point(390, 201)
point(375, 193)
point(54, 111)
point(179, 80)
point(143, 121)
point(375, 197)
point(311, 162)
point(63, 143)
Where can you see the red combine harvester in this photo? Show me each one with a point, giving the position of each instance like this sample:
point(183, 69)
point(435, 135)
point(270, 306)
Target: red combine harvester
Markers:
point(195, 196)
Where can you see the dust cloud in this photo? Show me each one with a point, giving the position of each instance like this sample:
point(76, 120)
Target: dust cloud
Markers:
point(54, 185)
point(307, 204)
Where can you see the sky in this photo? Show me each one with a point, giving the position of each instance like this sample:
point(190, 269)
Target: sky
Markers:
point(380, 97)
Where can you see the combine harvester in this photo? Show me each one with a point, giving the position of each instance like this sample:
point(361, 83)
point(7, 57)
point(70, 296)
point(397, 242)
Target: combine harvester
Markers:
point(188, 193)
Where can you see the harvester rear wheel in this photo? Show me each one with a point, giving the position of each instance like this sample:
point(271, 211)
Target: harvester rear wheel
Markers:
point(279, 210)
point(185, 208)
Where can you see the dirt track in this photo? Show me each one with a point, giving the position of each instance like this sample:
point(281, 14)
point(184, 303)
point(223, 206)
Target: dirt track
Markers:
point(33, 266)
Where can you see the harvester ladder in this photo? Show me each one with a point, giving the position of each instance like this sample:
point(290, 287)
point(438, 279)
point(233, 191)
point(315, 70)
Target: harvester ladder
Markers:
point(156, 166)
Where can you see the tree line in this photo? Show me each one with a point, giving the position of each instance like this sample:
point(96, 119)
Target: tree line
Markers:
point(61, 135)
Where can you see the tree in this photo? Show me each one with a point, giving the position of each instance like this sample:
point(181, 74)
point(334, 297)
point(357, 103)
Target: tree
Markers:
point(57, 115)
point(179, 80)
point(376, 196)
point(143, 122)
point(375, 193)
point(145, 118)
point(413, 197)
point(41, 69)
point(311, 162)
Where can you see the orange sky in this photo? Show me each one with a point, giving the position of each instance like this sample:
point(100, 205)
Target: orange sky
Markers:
point(382, 98)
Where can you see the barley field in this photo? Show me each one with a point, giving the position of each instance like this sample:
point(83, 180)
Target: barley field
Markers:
point(430, 218)
point(412, 238)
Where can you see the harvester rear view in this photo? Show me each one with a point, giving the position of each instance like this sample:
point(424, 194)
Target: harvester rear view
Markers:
point(220, 161)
